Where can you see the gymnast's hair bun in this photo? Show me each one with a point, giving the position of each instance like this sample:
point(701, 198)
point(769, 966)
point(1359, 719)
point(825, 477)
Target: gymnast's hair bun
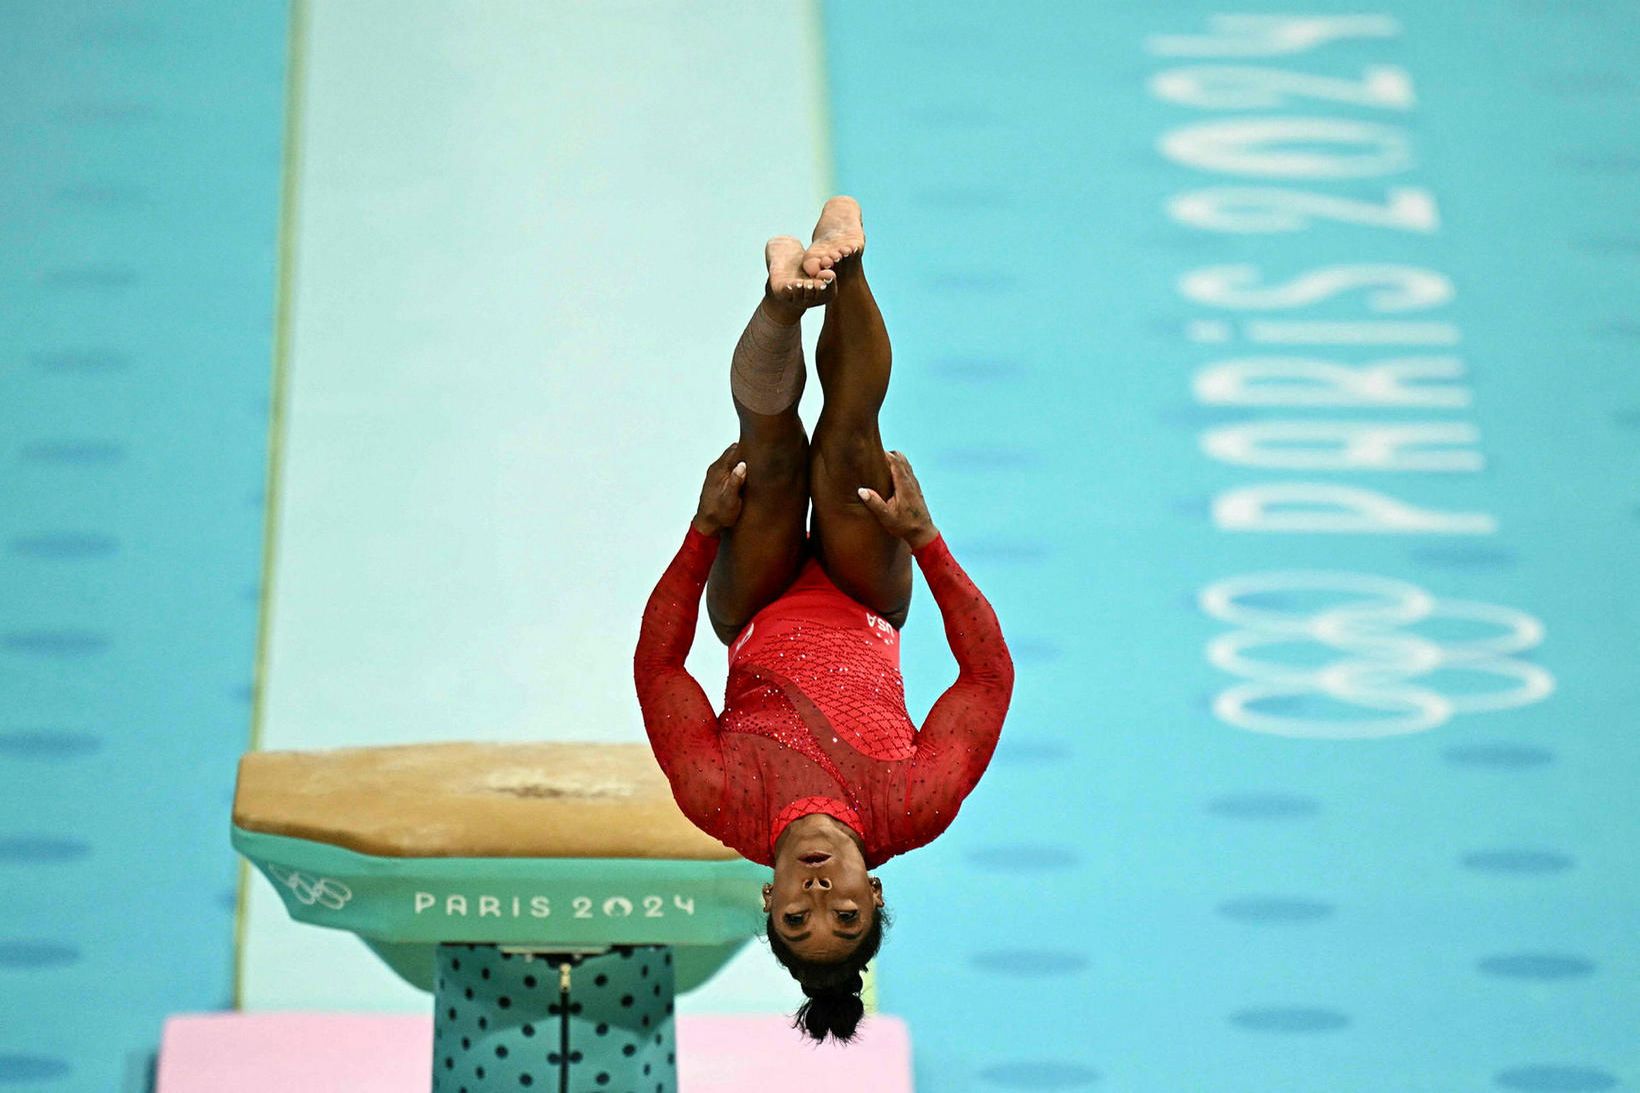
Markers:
point(834, 1011)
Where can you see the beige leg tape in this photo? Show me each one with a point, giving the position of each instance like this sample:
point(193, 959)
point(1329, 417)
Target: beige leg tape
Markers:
point(766, 375)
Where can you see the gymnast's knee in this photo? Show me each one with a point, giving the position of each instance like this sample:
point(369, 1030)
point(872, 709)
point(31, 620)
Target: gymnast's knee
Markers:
point(726, 632)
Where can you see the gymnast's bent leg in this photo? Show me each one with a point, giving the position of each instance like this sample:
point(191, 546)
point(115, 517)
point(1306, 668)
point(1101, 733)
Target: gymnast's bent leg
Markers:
point(853, 361)
point(760, 555)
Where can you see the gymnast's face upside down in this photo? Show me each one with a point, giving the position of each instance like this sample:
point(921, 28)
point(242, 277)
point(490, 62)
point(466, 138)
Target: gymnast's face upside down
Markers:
point(822, 901)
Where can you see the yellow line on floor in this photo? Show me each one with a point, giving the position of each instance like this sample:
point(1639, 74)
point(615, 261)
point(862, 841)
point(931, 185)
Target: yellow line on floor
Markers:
point(283, 295)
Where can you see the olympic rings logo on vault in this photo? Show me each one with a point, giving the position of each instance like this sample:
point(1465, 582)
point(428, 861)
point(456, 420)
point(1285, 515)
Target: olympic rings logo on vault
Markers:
point(309, 890)
point(1339, 656)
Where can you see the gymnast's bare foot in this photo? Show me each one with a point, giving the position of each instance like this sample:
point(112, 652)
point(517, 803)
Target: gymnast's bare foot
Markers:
point(837, 237)
point(787, 283)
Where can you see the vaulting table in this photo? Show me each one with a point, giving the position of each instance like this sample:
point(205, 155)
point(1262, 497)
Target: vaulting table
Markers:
point(551, 896)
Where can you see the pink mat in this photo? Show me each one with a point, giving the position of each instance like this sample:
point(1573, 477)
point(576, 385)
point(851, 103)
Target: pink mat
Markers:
point(370, 1053)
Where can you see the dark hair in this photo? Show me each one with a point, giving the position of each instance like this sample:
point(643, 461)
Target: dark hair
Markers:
point(833, 989)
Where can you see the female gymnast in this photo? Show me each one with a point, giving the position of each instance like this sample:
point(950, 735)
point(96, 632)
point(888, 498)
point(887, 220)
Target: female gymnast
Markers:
point(814, 767)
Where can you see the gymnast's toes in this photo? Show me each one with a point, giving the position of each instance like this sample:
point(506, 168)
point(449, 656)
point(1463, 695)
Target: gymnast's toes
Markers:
point(839, 235)
point(787, 281)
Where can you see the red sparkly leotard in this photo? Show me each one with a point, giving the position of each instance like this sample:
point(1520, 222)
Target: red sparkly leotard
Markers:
point(814, 716)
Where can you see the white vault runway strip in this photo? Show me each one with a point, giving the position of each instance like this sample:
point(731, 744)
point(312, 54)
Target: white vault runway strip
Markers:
point(525, 239)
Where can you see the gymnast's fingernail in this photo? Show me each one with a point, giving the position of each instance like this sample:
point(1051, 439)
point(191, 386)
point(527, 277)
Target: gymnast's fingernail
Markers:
point(740, 468)
point(863, 492)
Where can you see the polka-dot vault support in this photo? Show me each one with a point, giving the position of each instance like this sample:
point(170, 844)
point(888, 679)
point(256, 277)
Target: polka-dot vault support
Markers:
point(505, 1021)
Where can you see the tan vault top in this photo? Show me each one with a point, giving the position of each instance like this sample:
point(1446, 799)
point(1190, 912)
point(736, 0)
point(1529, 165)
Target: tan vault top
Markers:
point(558, 800)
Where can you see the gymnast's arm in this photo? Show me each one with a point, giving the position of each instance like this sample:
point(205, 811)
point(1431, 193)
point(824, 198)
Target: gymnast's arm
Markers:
point(683, 730)
point(963, 726)
point(961, 730)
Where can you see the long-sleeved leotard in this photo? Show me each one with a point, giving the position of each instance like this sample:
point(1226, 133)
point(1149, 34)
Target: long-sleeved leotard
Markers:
point(814, 716)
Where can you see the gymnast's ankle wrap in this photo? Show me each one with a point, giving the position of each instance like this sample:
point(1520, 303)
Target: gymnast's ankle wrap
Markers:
point(766, 375)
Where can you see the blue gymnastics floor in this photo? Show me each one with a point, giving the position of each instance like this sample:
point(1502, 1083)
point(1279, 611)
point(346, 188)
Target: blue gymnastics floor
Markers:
point(1274, 376)
point(1180, 877)
point(140, 216)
